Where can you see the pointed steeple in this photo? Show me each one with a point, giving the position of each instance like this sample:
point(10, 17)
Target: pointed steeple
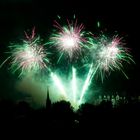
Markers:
point(48, 101)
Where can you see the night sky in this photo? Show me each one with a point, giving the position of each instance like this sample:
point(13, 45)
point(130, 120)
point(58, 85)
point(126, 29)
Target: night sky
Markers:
point(17, 17)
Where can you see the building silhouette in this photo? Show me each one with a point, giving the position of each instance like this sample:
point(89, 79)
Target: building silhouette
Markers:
point(48, 101)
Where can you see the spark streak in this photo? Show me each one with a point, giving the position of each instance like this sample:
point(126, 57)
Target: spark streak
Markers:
point(90, 75)
point(74, 84)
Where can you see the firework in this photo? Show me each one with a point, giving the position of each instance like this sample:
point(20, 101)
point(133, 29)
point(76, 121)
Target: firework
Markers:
point(108, 53)
point(111, 55)
point(69, 38)
point(29, 56)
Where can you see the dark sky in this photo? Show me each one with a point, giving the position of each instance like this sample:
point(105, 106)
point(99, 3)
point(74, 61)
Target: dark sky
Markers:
point(17, 17)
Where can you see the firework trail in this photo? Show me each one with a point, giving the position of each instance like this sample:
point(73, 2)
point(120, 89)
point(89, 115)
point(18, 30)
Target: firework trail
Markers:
point(90, 75)
point(74, 84)
point(59, 85)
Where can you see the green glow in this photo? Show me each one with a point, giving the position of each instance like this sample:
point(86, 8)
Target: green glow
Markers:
point(59, 85)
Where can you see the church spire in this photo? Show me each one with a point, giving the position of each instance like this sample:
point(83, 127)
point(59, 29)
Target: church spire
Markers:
point(48, 101)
